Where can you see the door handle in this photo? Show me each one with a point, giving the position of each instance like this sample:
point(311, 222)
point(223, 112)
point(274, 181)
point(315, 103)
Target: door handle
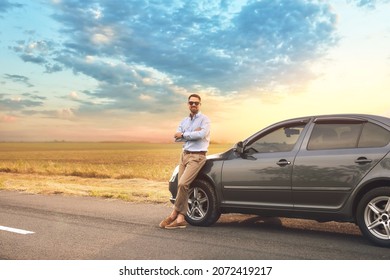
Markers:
point(283, 162)
point(362, 160)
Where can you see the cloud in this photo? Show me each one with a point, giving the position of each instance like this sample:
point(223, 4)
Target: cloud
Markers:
point(18, 79)
point(41, 52)
point(67, 114)
point(143, 53)
point(17, 103)
point(12, 103)
point(368, 3)
point(74, 95)
point(34, 96)
point(6, 5)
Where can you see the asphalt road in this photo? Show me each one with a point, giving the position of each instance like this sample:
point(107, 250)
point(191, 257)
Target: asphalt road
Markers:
point(80, 228)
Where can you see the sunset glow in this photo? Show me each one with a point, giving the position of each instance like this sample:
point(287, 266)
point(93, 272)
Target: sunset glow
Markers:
point(122, 70)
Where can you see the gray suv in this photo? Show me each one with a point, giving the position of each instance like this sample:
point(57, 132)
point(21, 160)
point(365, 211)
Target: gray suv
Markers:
point(325, 168)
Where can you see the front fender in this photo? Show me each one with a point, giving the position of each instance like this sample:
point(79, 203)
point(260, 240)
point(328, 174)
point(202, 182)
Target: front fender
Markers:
point(210, 172)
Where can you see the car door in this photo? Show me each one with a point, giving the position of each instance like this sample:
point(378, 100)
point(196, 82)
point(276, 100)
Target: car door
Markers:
point(261, 175)
point(334, 159)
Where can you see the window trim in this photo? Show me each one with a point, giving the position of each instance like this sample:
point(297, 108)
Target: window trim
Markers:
point(337, 120)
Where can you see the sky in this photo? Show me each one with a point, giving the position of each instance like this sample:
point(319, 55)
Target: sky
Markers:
point(117, 70)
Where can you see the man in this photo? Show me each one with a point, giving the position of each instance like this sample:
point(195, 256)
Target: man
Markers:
point(194, 131)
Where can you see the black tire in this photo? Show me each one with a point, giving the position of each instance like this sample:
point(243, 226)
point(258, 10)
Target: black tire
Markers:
point(202, 204)
point(373, 216)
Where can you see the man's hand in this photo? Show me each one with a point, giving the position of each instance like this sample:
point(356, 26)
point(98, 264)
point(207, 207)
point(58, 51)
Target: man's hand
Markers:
point(178, 135)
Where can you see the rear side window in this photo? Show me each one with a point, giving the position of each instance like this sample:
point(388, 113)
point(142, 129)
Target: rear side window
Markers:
point(334, 136)
point(374, 136)
point(347, 135)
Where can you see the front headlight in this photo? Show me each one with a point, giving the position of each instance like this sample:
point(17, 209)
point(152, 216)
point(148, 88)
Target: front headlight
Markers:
point(174, 174)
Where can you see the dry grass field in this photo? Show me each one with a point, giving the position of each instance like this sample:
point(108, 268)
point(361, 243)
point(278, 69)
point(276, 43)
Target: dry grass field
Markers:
point(137, 172)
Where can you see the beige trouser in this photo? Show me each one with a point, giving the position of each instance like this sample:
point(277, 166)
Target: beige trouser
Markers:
point(190, 165)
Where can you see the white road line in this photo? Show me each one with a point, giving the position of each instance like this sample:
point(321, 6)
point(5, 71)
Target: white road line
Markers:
point(15, 230)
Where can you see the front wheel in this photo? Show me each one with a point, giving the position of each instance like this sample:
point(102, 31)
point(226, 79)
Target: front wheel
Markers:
point(373, 216)
point(202, 204)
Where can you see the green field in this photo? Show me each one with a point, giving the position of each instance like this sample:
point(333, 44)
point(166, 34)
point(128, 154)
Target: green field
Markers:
point(128, 171)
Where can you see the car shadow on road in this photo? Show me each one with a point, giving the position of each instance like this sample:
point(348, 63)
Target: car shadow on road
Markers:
point(301, 226)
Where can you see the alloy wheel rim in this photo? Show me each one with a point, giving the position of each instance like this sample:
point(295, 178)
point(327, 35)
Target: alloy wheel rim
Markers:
point(377, 217)
point(198, 204)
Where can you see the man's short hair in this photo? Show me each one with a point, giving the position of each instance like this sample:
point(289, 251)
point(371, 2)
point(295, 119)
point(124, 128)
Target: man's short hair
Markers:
point(195, 95)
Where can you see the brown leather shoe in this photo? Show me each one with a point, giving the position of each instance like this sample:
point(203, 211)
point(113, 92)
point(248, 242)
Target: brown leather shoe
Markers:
point(175, 225)
point(166, 222)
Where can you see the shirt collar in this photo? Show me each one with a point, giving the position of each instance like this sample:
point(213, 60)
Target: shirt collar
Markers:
point(195, 116)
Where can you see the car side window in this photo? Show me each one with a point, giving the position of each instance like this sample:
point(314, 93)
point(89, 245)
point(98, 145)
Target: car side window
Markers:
point(282, 139)
point(334, 136)
point(347, 135)
point(374, 136)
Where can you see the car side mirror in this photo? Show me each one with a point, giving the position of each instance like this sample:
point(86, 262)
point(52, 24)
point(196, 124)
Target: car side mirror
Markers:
point(239, 147)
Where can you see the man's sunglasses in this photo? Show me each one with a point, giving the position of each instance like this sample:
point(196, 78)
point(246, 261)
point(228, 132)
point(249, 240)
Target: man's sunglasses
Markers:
point(193, 103)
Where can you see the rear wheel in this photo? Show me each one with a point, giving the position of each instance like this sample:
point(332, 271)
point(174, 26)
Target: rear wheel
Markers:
point(373, 216)
point(202, 204)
